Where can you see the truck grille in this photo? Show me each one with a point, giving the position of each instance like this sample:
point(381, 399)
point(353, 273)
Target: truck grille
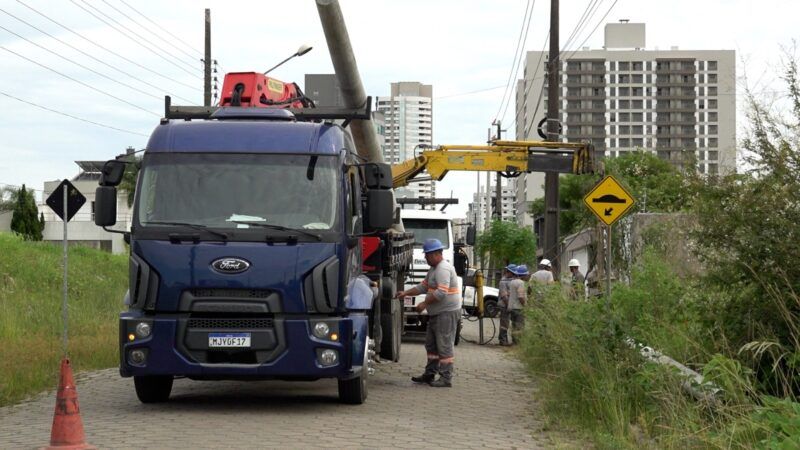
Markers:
point(230, 293)
point(230, 323)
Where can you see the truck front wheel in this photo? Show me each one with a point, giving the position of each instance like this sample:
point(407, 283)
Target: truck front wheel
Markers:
point(153, 389)
point(354, 390)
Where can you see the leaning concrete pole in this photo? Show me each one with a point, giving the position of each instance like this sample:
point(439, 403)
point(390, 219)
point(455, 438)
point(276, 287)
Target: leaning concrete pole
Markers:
point(344, 64)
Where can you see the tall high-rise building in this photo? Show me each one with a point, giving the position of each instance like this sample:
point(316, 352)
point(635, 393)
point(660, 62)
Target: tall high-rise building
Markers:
point(678, 104)
point(408, 117)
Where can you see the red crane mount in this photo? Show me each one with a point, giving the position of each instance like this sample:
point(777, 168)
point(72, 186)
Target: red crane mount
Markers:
point(242, 92)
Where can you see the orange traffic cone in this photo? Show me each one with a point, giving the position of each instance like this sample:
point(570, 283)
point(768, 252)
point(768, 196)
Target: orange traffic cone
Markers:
point(67, 432)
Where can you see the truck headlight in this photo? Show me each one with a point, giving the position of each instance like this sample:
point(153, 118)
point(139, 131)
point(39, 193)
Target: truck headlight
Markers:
point(143, 329)
point(321, 330)
point(328, 357)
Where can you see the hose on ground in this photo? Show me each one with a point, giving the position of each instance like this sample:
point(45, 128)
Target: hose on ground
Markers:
point(470, 317)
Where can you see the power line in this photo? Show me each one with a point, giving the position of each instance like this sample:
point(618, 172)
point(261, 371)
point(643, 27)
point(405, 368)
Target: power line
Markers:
point(80, 65)
point(519, 61)
point(461, 94)
point(593, 29)
point(148, 30)
point(87, 55)
point(588, 12)
point(80, 82)
point(132, 39)
point(163, 29)
point(71, 116)
point(106, 49)
point(526, 20)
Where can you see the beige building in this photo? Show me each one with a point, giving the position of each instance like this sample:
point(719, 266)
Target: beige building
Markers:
point(679, 104)
point(408, 123)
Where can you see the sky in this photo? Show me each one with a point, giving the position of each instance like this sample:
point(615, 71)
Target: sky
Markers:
point(464, 48)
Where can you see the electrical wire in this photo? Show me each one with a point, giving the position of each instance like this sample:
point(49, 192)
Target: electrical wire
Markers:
point(132, 39)
point(104, 48)
point(71, 116)
point(519, 62)
point(593, 29)
point(193, 58)
point(90, 56)
point(162, 28)
point(80, 65)
point(81, 82)
point(192, 65)
point(526, 21)
point(461, 94)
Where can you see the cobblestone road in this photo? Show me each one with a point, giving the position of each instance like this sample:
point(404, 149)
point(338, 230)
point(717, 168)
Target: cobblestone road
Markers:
point(492, 405)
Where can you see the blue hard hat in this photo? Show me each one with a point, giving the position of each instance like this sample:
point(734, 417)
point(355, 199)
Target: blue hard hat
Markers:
point(511, 268)
point(432, 245)
point(522, 270)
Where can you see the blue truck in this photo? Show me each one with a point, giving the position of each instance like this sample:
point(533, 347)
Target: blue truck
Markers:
point(261, 247)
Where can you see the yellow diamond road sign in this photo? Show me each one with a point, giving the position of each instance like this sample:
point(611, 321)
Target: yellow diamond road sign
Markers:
point(608, 200)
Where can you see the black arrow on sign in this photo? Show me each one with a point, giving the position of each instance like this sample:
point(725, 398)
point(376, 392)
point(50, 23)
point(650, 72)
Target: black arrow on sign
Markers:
point(607, 211)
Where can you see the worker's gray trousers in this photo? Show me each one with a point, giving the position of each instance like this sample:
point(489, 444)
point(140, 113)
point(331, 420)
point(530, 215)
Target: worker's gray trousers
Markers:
point(439, 342)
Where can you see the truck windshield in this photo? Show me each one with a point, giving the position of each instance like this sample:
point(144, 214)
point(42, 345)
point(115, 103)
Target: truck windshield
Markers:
point(427, 229)
point(239, 190)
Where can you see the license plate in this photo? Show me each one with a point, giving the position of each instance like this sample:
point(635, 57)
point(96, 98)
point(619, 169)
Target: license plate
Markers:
point(228, 340)
point(408, 301)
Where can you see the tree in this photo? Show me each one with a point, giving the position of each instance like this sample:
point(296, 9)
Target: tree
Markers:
point(656, 185)
point(506, 242)
point(25, 220)
point(748, 237)
point(129, 178)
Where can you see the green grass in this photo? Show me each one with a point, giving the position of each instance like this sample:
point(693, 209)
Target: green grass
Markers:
point(592, 381)
point(30, 313)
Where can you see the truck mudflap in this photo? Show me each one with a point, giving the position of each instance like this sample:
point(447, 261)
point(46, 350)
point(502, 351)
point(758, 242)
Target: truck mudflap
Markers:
point(219, 348)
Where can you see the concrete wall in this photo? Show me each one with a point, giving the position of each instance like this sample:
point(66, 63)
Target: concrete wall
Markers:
point(5, 220)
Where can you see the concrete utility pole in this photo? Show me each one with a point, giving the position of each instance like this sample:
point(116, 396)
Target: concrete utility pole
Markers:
point(498, 189)
point(207, 62)
point(550, 244)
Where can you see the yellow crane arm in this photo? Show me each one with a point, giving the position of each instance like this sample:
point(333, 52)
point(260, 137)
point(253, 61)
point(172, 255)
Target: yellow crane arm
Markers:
point(499, 156)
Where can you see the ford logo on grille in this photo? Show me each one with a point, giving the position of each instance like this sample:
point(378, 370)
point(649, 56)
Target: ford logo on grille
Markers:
point(230, 265)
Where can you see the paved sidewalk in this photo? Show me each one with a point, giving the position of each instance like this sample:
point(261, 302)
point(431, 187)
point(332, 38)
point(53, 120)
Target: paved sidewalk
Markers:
point(491, 406)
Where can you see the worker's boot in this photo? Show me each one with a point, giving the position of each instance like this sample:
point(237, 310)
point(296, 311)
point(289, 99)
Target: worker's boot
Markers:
point(445, 376)
point(430, 372)
point(503, 337)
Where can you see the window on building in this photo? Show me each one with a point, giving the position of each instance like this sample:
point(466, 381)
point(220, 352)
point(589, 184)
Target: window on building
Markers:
point(624, 91)
point(637, 129)
point(713, 155)
point(713, 129)
point(712, 117)
point(712, 78)
point(712, 103)
point(624, 65)
point(637, 104)
point(712, 90)
point(712, 65)
point(713, 142)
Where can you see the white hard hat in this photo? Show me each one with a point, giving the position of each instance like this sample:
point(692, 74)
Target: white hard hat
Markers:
point(574, 263)
point(544, 262)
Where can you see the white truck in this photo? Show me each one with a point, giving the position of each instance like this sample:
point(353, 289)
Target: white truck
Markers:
point(426, 224)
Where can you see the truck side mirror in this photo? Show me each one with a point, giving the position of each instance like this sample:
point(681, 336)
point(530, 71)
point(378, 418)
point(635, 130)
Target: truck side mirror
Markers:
point(112, 172)
point(471, 235)
point(460, 263)
point(378, 176)
point(380, 209)
point(105, 206)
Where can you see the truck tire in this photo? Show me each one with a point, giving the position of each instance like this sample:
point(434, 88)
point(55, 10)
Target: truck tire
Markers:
point(354, 390)
point(490, 307)
point(153, 389)
point(392, 325)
